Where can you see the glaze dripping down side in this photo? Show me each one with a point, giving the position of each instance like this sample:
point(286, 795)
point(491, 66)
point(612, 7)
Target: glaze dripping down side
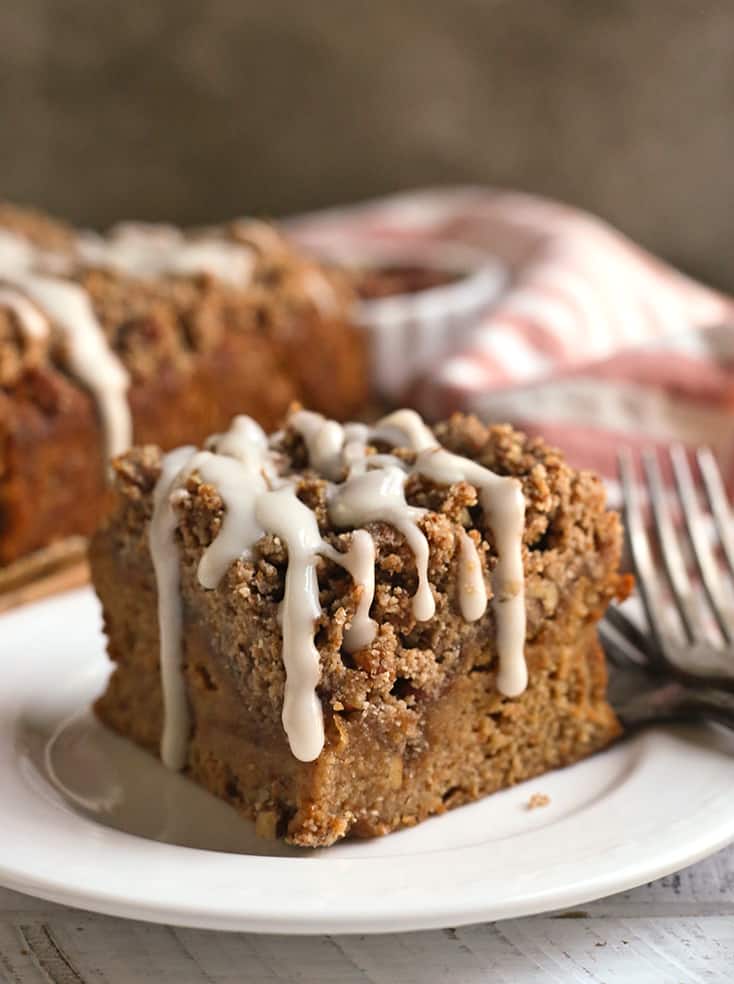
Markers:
point(260, 496)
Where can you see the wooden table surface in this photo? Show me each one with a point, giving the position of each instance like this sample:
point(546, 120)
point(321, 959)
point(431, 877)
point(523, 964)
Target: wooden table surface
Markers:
point(678, 930)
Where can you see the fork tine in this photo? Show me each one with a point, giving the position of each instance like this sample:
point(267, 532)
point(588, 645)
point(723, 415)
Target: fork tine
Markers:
point(694, 524)
point(673, 562)
point(719, 503)
point(648, 584)
point(627, 629)
point(614, 650)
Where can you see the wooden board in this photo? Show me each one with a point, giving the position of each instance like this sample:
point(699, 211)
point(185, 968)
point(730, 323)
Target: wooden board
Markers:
point(60, 567)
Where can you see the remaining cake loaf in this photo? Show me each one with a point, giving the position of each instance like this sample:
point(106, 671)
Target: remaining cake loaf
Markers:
point(343, 630)
point(149, 334)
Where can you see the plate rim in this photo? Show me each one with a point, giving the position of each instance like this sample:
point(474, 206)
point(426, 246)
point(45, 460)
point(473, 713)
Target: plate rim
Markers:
point(364, 914)
point(191, 918)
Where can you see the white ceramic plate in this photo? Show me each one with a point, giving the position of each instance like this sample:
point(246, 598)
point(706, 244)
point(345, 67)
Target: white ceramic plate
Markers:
point(88, 820)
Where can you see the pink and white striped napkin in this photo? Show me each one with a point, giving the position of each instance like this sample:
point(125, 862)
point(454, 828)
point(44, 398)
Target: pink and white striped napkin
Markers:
point(594, 342)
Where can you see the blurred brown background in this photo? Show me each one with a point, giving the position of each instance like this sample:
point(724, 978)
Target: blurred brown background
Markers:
point(194, 110)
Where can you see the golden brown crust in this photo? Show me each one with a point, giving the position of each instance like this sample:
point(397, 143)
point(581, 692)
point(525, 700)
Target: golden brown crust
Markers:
point(386, 705)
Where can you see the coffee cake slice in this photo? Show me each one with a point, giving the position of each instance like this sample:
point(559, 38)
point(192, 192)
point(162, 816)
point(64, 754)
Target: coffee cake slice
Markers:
point(150, 334)
point(343, 630)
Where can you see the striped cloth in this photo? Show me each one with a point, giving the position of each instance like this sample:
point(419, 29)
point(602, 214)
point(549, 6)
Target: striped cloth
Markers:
point(594, 343)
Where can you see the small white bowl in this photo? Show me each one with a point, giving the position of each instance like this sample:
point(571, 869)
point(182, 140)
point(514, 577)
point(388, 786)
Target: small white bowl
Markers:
point(412, 331)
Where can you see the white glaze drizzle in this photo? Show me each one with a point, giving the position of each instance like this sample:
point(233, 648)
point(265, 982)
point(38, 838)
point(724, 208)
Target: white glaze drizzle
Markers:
point(33, 323)
point(149, 250)
point(164, 553)
point(375, 486)
point(257, 500)
point(239, 470)
point(367, 496)
point(90, 358)
point(379, 496)
point(503, 504)
point(359, 560)
point(472, 590)
point(324, 440)
point(239, 487)
point(245, 440)
point(281, 512)
point(404, 429)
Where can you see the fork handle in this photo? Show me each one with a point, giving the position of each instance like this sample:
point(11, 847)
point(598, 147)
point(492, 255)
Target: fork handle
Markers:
point(708, 702)
point(672, 700)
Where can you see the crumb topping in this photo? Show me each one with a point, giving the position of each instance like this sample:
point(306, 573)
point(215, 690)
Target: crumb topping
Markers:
point(569, 539)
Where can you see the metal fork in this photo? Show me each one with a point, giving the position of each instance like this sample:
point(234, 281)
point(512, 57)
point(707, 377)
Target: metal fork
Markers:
point(654, 675)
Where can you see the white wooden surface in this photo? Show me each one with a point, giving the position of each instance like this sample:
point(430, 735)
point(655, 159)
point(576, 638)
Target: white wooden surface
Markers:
point(679, 930)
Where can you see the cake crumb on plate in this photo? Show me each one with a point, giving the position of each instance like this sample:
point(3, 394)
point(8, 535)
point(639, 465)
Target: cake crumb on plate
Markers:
point(537, 800)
